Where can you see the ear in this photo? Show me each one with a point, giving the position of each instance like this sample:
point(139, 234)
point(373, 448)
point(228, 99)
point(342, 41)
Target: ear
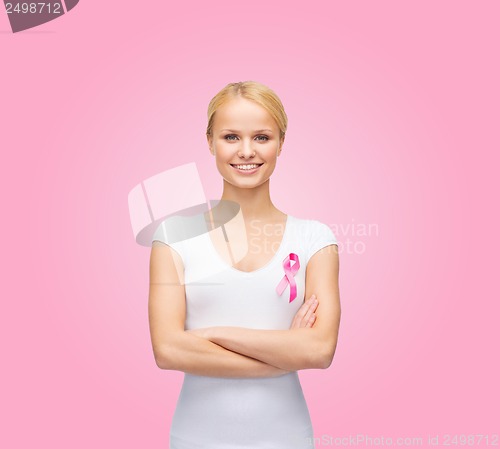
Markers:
point(209, 140)
point(281, 145)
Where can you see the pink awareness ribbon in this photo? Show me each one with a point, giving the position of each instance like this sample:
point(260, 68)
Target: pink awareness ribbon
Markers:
point(290, 272)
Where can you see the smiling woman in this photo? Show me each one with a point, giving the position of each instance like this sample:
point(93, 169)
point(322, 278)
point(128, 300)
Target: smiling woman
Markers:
point(245, 138)
point(241, 336)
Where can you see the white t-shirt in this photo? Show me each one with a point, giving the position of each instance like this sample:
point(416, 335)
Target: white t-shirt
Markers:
point(218, 413)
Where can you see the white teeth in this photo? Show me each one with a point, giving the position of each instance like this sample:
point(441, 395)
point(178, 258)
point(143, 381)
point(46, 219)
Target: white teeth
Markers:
point(246, 167)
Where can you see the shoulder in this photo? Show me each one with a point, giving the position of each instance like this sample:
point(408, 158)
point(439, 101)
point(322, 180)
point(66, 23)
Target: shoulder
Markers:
point(319, 227)
point(171, 234)
point(314, 234)
point(311, 227)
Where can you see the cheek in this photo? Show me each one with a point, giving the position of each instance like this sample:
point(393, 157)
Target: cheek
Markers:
point(223, 151)
point(271, 149)
point(220, 163)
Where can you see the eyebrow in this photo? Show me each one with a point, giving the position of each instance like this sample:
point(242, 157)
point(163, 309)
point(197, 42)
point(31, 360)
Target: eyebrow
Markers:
point(258, 131)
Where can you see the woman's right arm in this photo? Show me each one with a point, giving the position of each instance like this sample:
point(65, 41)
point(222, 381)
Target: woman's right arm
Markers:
point(173, 347)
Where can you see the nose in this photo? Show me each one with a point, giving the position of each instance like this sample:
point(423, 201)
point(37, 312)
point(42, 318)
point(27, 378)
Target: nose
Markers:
point(246, 150)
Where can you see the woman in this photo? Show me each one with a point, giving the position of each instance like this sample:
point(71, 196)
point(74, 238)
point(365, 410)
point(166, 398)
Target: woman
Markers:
point(241, 335)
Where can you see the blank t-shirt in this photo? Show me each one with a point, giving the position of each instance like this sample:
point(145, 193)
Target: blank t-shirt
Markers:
point(234, 413)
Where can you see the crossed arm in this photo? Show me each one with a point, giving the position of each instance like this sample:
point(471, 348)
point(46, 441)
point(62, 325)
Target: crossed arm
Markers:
point(223, 351)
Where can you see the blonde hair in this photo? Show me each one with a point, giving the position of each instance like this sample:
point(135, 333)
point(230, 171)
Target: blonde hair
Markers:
point(254, 91)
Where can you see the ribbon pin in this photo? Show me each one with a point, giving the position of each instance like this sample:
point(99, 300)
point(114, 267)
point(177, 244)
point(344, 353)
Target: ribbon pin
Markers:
point(288, 279)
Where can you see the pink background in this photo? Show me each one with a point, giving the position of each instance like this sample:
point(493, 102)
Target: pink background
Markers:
point(393, 123)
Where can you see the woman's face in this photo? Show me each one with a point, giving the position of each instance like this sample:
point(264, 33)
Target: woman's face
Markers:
point(244, 135)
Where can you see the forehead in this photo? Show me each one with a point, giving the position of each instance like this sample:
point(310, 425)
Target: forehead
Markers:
point(240, 113)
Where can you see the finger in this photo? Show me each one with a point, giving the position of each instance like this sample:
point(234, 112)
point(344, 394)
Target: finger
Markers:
point(311, 320)
point(300, 320)
point(310, 311)
point(301, 315)
point(309, 307)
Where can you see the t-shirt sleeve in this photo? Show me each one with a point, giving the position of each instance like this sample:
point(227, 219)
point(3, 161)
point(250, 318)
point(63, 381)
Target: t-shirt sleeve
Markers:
point(160, 235)
point(320, 236)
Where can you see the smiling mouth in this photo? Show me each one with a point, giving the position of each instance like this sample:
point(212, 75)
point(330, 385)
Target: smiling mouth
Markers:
point(246, 166)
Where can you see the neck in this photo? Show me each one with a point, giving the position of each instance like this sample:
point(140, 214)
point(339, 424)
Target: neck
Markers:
point(255, 203)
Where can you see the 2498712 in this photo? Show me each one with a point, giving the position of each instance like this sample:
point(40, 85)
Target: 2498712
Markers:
point(34, 8)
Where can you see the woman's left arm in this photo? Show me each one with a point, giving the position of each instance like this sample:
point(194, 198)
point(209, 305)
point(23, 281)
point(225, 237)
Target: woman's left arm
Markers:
point(298, 347)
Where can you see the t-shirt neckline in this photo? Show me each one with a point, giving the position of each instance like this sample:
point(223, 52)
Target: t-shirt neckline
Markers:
point(289, 219)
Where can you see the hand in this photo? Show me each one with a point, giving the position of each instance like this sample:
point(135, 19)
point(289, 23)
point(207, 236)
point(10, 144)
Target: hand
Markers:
point(305, 316)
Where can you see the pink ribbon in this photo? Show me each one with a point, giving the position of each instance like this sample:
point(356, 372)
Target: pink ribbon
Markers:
point(288, 279)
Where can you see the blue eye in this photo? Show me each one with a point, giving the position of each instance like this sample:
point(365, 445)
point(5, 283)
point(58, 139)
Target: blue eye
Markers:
point(227, 137)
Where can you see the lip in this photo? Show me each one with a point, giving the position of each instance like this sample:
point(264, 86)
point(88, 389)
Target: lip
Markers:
point(246, 172)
